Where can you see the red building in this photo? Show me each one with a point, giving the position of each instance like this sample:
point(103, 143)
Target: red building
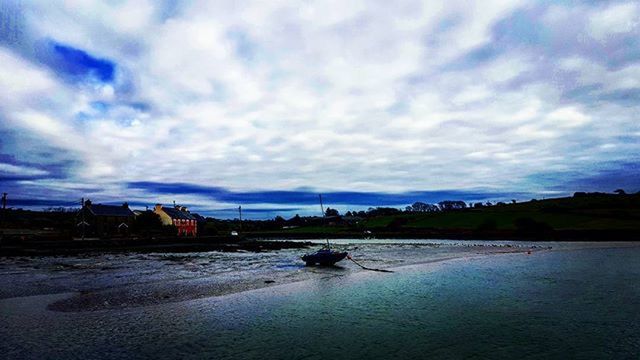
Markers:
point(180, 217)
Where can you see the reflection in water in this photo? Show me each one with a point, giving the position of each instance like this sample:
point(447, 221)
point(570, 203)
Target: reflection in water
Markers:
point(580, 303)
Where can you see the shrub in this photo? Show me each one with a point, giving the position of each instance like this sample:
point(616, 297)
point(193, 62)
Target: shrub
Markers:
point(487, 225)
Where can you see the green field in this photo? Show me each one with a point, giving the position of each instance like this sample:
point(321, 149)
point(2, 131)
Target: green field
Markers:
point(598, 212)
point(473, 219)
point(589, 212)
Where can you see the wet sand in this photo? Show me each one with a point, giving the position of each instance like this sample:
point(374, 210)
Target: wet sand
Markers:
point(118, 281)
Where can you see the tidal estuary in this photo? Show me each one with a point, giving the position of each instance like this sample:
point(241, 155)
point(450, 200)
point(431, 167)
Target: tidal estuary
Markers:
point(445, 299)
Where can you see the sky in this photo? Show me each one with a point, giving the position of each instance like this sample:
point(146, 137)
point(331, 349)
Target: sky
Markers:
point(216, 104)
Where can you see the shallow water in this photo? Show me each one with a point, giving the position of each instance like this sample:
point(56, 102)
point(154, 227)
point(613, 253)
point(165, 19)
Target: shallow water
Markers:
point(225, 272)
point(549, 304)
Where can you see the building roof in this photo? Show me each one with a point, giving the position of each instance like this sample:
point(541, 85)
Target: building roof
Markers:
point(198, 217)
point(177, 214)
point(110, 210)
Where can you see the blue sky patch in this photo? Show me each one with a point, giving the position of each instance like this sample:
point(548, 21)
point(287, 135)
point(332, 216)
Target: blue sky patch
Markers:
point(80, 65)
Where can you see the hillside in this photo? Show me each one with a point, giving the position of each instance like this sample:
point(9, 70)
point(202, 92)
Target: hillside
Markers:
point(594, 216)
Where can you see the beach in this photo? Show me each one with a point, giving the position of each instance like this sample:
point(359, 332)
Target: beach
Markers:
point(449, 299)
point(121, 280)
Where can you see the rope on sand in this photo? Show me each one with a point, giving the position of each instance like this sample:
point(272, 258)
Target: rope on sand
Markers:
point(367, 268)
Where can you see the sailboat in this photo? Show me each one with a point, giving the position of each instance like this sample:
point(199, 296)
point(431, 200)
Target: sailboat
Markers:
point(324, 256)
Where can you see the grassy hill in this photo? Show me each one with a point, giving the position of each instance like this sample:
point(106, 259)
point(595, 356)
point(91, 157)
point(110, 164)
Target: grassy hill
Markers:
point(584, 216)
point(594, 212)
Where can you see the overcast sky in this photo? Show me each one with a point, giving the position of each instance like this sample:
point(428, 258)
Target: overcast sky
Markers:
point(265, 104)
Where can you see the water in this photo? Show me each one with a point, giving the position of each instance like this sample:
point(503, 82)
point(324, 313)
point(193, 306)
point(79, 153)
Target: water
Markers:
point(194, 274)
point(551, 304)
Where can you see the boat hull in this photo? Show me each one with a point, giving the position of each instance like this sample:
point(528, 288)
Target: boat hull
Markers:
point(324, 258)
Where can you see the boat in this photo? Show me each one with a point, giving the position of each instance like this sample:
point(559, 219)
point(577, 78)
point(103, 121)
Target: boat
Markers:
point(324, 257)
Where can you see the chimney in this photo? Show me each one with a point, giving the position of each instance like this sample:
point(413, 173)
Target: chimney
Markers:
point(87, 203)
point(158, 207)
point(125, 205)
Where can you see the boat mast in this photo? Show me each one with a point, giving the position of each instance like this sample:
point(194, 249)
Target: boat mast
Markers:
point(83, 222)
point(324, 216)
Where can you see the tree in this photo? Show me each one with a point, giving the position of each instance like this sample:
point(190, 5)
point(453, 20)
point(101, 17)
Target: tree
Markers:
point(296, 221)
point(419, 207)
point(382, 211)
point(331, 212)
point(210, 227)
point(432, 208)
point(147, 222)
point(449, 205)
point(620, 192)
point(60, 210)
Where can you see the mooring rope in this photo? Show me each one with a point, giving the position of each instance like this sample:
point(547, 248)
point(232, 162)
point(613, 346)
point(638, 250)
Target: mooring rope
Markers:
point(367, 268)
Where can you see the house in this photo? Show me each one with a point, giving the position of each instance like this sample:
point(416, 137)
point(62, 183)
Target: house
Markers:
point(104, 220)
point(180, 217)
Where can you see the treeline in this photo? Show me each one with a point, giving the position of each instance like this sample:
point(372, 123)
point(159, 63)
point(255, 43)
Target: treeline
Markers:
point(416, 207)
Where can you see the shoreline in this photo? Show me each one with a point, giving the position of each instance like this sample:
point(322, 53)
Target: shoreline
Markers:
point(568, 235)
point(166, 245)
point(256, 242)
point(152, 293)
point(175, 291)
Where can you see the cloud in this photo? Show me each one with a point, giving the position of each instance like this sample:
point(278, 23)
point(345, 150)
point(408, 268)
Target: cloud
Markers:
point(567, 117)
point(333, 97)
point(310, 197)
point(616, 19)
point(605, 177)
point(21, 170)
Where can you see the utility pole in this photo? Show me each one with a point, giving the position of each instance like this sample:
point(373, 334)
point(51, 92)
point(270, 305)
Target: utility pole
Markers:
point(4, 208)
point(2, 214)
